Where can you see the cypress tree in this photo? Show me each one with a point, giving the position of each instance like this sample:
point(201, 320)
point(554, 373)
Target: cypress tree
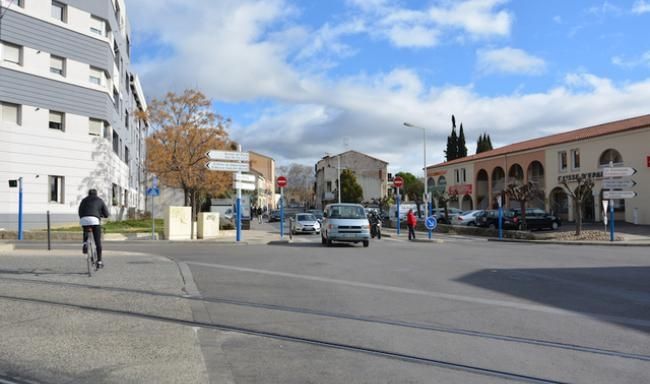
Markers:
point(462, 148)
point(488, 146)
point(451, 152)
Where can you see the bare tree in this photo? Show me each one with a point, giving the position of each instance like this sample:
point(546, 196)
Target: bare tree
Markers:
point(579, 195)
point(300, 179)
point(523, 193)
point(443, 200)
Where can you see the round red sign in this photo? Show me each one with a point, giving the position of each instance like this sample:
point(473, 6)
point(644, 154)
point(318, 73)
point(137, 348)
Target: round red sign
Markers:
point(398, 181)
point(282, 181)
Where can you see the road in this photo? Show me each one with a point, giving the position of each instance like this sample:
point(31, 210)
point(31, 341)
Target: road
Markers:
point(461, 311)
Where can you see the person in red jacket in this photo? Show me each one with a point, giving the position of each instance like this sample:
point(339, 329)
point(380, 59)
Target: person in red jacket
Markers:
point(411, 220)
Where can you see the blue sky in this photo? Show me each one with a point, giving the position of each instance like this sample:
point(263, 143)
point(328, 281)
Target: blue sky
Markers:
point(304, 78)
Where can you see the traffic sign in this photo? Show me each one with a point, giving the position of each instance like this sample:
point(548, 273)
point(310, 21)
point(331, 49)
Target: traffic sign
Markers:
point(619, 194)
point(153, 192)
point(282, 181)
point(398, 182)
point(246, 178)
point(227, 167)
point(154, 182)
point(244, 186)
point(228, 155)
point(431, 223)
point(618, 171)
point(618, 183)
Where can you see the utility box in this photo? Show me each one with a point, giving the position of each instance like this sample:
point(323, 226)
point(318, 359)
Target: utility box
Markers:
point(178, 223)
point(208, 225)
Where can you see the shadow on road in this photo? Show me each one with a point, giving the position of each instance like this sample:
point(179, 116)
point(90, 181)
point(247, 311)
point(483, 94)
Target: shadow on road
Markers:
point(619, 295)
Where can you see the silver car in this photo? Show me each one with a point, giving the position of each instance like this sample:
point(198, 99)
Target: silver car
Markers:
point(345, 222)
point(305, 223)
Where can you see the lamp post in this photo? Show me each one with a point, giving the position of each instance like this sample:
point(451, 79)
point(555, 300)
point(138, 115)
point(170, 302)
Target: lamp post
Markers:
point(429, 208)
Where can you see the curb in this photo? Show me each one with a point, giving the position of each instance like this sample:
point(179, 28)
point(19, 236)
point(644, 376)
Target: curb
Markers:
point(573, 243)
point(6, 247)
point(279, 242)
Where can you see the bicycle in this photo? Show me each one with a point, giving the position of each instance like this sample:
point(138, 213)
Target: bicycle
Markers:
point(91, 252)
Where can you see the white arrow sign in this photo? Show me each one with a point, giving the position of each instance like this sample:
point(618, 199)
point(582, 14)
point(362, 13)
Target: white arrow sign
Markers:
point(244, 186)
point(244, 177)
point(227, 155)
point(227, 167)
point(618, 183)
point(619, 194)
point(618, 171)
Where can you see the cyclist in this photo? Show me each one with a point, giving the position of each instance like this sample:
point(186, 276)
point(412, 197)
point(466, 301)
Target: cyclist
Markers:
point(91, 210)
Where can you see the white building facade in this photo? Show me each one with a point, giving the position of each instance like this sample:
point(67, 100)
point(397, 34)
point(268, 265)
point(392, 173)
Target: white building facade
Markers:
point(69, 106)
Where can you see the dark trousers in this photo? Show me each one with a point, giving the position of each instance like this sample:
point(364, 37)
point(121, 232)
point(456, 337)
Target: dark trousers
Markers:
point(411, 232)
point(97, 235)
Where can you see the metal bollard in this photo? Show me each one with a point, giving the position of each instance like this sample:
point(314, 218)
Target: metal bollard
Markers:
point(49, 233)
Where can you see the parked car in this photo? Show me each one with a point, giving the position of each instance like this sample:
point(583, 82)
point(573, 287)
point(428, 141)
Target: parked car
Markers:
point(305, 223)
point(345, 222)
point(490, 219)
point(317, 213)
point(439, 213)
point(537, 219)
point(274, 216)
point(466, 218)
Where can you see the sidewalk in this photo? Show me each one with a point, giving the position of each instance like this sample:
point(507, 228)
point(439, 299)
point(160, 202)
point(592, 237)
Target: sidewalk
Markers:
point(59, 325)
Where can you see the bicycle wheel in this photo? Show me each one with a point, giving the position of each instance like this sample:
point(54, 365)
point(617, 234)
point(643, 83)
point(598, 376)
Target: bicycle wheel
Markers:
point(91, 255)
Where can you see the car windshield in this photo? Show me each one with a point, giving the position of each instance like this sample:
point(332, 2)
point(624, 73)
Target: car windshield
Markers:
point(347, 212)
point(306, 217)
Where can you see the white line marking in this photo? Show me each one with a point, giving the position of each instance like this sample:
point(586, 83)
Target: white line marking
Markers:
point(438, 295)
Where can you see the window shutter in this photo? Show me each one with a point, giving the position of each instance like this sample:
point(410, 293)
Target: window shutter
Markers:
point(11, 53)
point(10, 113)
point(95, 127)
point(97, 25)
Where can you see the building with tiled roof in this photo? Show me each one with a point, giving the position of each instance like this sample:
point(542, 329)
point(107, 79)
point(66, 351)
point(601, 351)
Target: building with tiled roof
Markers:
point(477, 180)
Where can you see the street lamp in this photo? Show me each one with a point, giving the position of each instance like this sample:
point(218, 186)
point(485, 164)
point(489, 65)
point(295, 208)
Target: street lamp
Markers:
point(429, 208)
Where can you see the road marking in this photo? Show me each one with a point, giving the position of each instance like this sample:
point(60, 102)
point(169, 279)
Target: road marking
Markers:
point(437, 295)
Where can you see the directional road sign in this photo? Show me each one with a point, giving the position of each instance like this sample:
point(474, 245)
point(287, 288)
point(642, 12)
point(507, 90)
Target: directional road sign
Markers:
point(244, 186)
point(618, 171)
point(246, 178)
point(282, 181)
point(227, 167)
point(618, 183)
point(431, 223)
point(398, 182)
point(618, 194)
point(228, 155)
point(153, 192)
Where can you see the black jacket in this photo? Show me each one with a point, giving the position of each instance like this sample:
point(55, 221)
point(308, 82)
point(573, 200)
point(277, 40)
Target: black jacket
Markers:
point(93, 206)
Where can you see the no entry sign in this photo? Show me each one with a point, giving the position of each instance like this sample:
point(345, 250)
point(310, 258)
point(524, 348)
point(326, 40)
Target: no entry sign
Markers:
point(398, 182)
point(282, 181)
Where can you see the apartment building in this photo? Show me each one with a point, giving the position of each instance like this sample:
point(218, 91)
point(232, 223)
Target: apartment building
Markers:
point(371, 173)
point(476, 181)
point(69, 105)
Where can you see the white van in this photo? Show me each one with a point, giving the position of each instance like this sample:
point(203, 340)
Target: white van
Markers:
point(345, 222)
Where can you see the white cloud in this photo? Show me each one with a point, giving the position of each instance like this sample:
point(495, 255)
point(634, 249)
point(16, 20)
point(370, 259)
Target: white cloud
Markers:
point(643, 60)
point(640, 7)
point(242, 50)
point(509, 60)
point(477, 17)
point(416, 36)
point(606, 8)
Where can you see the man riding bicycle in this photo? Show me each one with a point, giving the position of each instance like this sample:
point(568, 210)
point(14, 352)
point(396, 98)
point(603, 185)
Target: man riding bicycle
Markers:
point(91, 210)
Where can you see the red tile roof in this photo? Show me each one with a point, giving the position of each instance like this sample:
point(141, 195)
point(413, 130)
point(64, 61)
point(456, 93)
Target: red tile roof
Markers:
point(559, 138)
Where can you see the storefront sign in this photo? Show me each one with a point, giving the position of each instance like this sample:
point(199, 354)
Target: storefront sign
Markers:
point(460, 189)
point(574, 176)
point(440, 173)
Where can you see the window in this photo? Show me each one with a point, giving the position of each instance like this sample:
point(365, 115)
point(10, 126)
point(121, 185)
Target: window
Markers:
point(96, 76)
point(12, 53)
point(56, 189)
point(575, 159)
point(97, 26)
point(10, 113)
point(7, 3)
point(57, 65)
point(463, 175)
point(57, 120)
point(126, 120)
point(59, 11)
point(126, 155)
point(116, 143)
point(115, 192)
point(116, 99)
point(107, 132)
point(563, 161)
point(95, 127)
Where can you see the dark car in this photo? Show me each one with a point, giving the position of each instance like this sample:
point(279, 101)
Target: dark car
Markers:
point(274, 216)
point(490, 219)
point(537, 219)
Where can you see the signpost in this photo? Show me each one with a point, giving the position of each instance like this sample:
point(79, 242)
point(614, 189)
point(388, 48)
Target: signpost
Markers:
point(398, 182)
point(611, 183)
point(431, 223)
point(153, 192)
point(282, 182)
point(231, 161)
point(500, 217)
point(13, 184)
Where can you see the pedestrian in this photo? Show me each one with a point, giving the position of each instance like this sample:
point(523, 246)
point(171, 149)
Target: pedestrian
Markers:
point(259, 215)
point(411, 220)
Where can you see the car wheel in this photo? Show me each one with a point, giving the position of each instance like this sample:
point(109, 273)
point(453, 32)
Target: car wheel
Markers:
point(554, 225)
point(366, 243)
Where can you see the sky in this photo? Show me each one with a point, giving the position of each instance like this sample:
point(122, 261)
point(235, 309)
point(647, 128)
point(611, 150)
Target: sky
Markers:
point(302, 79)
